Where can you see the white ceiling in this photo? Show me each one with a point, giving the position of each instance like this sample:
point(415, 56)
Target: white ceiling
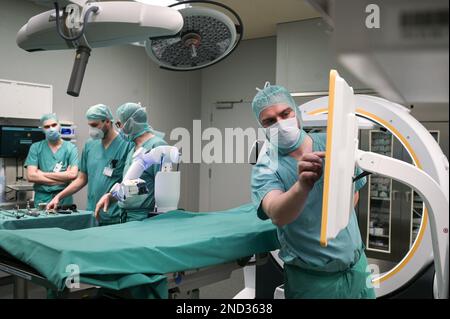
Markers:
point(260, 17)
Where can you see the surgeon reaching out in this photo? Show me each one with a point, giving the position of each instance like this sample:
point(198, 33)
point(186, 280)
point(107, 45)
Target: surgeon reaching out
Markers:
point(101, 165)
point(134, 127)
point(287, 187)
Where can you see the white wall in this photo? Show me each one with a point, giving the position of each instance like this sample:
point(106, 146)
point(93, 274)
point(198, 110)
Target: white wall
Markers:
point(305, 56)
point(235, 79)
point(114, 75)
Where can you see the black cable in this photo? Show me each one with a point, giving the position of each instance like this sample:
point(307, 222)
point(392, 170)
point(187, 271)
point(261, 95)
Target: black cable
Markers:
point(362, 175)
point(83, 28)
point(17, 169)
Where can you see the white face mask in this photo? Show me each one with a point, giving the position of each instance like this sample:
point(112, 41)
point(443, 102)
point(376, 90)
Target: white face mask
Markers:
point(284, 134)
point(96, 133)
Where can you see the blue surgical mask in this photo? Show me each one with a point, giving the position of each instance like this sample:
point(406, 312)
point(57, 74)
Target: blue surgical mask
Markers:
point(52, 134)
point(126, 137)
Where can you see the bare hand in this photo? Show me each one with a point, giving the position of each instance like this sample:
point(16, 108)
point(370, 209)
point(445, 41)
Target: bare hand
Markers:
point(310, 169)
point(53, 203)
point(103, 204)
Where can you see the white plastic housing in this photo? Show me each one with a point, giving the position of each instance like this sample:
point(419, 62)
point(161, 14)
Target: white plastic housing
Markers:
point(167, 191)
point(118, 22)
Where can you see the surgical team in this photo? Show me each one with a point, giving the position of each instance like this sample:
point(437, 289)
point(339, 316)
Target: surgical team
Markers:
point(290, 194)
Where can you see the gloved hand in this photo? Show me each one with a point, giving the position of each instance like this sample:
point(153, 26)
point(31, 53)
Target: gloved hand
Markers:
point(118, 191)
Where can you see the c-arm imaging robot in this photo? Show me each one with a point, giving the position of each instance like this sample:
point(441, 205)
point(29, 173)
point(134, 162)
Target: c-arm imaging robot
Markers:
point(428, 177)
point(342, 113)
point(167, 182)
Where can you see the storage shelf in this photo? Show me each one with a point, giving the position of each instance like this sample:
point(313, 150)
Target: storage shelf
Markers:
point(381, 236)
point(380, 198)
point(417, 213)
point(384, 249)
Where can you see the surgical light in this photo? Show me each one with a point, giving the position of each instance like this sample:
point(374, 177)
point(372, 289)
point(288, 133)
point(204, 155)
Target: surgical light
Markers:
point(177, 36)
point(207, 37)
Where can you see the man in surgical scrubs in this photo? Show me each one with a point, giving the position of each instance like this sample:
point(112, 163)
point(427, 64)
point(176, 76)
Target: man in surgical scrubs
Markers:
point(52, 163)
point(288, 188)
point(102, 163)
point(134, 127)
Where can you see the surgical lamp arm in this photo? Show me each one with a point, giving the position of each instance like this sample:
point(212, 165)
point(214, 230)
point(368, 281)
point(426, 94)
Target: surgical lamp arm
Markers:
point(434, 198)
point(83, 50)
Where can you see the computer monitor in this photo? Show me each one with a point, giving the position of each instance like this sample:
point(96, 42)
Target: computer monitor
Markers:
point(15, 141)
point(341, 147)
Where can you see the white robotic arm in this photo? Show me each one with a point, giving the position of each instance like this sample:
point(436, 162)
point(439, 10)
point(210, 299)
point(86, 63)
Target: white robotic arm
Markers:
point(132, 185)
point(163, 155)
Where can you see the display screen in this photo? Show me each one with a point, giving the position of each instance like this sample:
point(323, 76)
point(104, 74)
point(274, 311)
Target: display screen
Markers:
point(15, 141)
point(66, 131)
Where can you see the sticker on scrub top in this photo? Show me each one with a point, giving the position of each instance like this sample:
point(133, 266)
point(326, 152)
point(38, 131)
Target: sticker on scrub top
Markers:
point(57, 167)
point(108, 171)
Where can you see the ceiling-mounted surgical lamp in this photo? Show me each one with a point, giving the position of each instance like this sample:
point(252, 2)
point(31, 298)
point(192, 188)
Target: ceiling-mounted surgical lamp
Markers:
point(207, 37)
point(187, 39)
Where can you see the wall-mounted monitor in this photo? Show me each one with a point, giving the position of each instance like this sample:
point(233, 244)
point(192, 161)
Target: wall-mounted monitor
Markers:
point(15, 141)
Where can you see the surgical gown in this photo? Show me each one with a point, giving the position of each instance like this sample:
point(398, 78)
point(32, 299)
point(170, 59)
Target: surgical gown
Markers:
point(138, 207)
point(104, 168)
point(41, 156)
point(299, 240)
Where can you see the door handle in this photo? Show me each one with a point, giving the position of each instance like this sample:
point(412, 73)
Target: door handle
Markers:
point(408, 196)
point(394, 195)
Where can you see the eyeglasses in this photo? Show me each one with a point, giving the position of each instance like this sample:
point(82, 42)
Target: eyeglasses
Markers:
point(50, 125)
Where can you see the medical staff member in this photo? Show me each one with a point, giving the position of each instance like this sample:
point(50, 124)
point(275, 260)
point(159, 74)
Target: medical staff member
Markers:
point(52, 163)
point(287, 188)
point(135, 128)
point(102, 163)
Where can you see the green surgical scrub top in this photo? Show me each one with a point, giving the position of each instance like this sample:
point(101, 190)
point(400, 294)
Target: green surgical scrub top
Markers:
point(299, 240)
point(138, 207)
point(94, 160)
point(41, 156)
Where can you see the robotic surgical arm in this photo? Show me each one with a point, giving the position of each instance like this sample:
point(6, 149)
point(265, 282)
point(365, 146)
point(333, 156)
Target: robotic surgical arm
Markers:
point(167, 183)
point(142, 160)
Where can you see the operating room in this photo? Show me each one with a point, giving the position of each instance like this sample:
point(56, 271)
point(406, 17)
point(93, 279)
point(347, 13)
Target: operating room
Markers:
point(181, 198)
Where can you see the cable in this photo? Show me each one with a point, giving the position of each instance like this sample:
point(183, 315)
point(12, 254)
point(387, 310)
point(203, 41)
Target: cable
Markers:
point(360, 176)
point(83, 28)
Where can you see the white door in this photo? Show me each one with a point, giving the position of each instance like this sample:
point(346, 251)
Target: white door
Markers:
point(230, 183)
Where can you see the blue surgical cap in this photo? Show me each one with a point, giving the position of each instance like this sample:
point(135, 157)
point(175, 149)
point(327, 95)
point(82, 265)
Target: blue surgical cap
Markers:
point(127, 110)
point(49, 116)
point(271, 95)
point(99, 112)
point(138, 116)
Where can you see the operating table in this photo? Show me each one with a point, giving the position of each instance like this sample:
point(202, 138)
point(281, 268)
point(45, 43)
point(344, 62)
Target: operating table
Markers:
point(168, 256)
